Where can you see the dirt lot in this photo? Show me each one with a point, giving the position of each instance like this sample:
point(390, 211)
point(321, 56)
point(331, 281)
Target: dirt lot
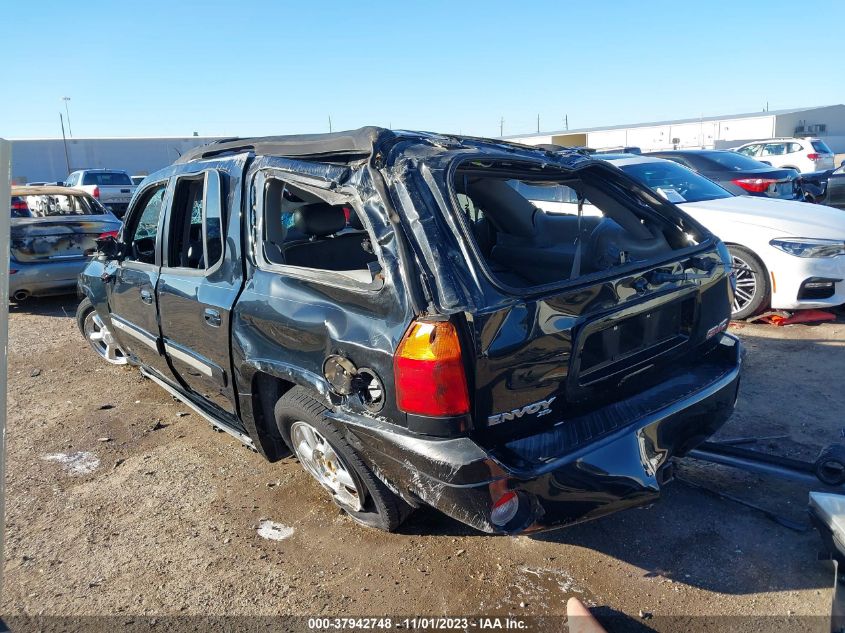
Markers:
point(118, 505)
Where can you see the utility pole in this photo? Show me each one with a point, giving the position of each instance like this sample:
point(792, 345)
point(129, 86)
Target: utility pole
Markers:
point(538, 124)
point(67, 112)
point(502, 126)
point(64, 140)
point(566, 121)
point(330, 123)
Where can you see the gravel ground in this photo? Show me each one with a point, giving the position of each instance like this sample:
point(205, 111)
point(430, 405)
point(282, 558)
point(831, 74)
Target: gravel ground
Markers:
point(119, 504)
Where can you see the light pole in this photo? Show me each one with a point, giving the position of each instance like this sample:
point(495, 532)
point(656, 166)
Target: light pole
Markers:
point(69, 131)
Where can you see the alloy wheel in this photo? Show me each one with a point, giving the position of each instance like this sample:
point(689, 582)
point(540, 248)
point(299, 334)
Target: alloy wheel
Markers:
point(746, 283)
point(102, 341)
point(325, 465)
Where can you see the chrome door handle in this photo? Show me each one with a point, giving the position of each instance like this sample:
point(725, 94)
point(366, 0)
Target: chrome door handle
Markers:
point(146, 296)
point(212, 317)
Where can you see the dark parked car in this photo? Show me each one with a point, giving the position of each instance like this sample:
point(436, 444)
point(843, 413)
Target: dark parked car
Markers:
point(739, 174)
point(826, 187)
point(53, 234)
point(388, 307)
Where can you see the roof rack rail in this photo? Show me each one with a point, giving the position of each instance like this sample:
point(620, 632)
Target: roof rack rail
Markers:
point(360, 142)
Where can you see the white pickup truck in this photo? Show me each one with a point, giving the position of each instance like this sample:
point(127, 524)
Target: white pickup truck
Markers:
point(112, 187)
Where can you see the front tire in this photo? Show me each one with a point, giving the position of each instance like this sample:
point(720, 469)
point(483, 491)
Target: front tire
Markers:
point(326, 455)
point(99, 337)
point(753, 288)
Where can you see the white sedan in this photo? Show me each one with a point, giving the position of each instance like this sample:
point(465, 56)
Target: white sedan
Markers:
point(787, 254)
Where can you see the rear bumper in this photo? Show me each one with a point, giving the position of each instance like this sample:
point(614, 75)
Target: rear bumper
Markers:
point(45, 278)
point(561, 481)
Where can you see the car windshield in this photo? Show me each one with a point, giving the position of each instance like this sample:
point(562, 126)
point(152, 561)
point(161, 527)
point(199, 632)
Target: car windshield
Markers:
point(105, 178)
point(821, 146)
point(50, 205)
point(733, 161)
point(675, 183)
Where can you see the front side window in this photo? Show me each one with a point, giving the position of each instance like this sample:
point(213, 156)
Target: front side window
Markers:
point(144, 231)
point(71, 180)
point(195, 235)
point(751, 150)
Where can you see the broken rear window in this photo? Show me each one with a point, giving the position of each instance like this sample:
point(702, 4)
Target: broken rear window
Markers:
point(44, 205)
point(534, 225)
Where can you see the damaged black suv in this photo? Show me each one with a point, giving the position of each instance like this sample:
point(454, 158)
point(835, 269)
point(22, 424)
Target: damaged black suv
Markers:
point(390, 307)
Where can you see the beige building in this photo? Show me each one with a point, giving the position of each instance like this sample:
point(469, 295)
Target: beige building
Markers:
point(720, 132)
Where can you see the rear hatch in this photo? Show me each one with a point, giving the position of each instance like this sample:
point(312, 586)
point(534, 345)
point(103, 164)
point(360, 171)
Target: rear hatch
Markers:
point(592, 309)
point(566, 354)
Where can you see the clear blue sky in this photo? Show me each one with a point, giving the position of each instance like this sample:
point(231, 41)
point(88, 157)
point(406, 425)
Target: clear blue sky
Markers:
point(243, 68)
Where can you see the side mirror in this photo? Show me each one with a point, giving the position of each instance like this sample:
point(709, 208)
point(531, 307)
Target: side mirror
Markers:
point(110, 247)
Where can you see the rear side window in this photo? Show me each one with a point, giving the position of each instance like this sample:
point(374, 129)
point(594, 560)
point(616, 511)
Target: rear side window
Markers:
point(301, 229)
point(105, 178)
point(792, 148)
point(821, 147)
point(195, 235)
point(751, 150)
point(49, 205)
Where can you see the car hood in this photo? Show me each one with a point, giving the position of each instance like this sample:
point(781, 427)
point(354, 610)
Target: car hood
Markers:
point(790, 217)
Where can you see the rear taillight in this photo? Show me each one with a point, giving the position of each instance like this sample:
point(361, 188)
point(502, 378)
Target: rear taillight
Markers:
point(103, 236)
point(755, 185)
point(19, 206)
point(96, 192)
point(814, 156)
point(429, 371)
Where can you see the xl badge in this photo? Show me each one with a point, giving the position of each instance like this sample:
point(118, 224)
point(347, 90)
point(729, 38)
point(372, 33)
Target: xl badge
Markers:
point(535, 408)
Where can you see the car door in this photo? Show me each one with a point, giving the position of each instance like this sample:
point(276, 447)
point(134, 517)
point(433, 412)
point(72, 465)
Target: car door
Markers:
point(200, 280)
point(131, 280)
point(836, 188)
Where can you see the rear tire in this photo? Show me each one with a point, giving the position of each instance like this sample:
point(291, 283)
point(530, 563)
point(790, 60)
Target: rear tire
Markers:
point(753, 287)
point(325, 454)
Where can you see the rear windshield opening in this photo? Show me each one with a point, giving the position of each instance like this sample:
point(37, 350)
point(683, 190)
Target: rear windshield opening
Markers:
point(526, 224)
point(48, 205)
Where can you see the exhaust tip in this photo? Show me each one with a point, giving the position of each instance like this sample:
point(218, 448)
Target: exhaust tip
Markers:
point(21, 295)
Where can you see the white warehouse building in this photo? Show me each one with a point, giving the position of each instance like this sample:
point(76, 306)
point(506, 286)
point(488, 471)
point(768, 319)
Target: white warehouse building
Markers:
point(51, 159)
point(716, 132)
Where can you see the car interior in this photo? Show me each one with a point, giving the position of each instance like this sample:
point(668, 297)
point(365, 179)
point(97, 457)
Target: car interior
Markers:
point(300, 229)
point(525, 246)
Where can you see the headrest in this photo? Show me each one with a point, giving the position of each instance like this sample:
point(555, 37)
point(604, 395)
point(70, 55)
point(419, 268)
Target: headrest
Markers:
point(355, 221)
point(319, 219)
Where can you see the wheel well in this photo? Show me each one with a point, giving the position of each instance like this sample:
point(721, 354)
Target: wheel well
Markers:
point(266, 391)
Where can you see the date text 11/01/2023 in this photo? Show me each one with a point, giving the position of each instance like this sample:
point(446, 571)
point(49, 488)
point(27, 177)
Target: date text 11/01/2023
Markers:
point(421, 623)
